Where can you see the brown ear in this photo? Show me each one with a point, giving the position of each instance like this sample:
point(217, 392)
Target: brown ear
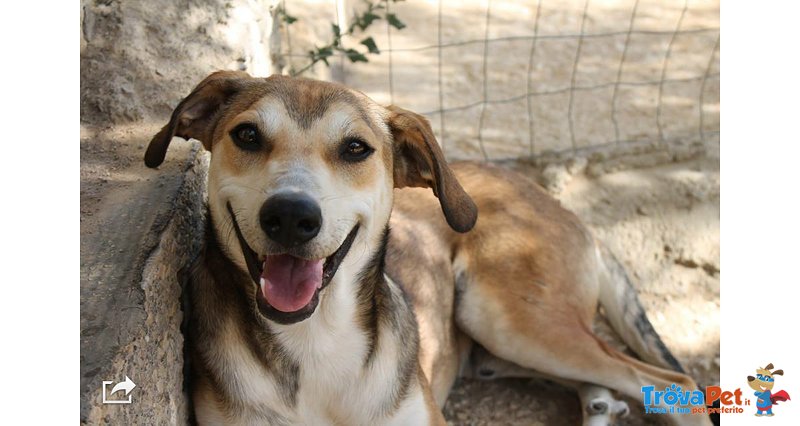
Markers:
point(777, 372)
point(768, 367)
point(418, 161)
point(194, 115)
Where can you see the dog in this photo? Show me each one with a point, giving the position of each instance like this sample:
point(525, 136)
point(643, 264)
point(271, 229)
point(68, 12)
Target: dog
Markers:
point(349, 271)
point(763, 384)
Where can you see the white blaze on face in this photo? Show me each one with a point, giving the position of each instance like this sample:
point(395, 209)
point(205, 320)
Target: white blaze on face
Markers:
point(307, 161)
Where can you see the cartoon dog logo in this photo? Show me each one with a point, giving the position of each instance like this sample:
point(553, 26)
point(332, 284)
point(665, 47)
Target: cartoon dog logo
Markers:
point(762, 384)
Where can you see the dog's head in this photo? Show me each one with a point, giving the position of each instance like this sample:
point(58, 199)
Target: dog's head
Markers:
point(302, 174)
point(765, 378)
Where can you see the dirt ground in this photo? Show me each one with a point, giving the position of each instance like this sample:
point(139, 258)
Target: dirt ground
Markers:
point(555, 118)
point(658, 213)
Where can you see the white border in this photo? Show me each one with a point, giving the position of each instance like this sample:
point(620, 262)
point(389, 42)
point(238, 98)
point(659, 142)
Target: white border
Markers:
point(40, 296)
point(40, 300)
point(760, 223)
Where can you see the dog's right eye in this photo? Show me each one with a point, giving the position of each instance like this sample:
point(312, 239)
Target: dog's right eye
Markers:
point(354, 150)
point(246, 137)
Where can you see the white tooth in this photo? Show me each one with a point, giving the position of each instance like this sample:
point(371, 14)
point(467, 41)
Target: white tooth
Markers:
point(263, 283)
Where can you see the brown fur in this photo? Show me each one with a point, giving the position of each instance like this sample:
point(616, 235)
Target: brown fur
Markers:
point(531, 268)
point(522, 280)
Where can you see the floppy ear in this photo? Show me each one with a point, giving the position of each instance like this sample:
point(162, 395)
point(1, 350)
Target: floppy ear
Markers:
point(194, 117)
point(418, 161)
point(777, 373)
point(769, 366)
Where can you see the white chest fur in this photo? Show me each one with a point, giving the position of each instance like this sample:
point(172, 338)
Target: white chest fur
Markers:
point(335, 384)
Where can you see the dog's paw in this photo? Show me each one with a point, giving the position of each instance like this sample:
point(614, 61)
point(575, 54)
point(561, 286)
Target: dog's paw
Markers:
point(604, 411)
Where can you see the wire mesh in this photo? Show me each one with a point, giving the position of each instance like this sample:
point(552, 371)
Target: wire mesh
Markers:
point(561, 106)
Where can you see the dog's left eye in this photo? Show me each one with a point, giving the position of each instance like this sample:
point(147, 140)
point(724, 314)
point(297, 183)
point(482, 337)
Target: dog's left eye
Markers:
point(246, 137)
point(354, 149)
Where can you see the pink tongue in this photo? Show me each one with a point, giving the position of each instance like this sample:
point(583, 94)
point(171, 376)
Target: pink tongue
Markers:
point(289, 282)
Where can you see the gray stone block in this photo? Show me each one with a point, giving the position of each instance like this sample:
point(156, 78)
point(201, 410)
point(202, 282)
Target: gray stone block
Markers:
point(131, 311)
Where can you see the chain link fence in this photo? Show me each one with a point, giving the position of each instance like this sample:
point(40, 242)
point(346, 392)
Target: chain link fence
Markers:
point(532, 79)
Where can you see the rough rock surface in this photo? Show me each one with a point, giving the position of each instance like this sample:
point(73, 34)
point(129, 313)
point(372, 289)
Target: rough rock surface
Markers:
point(130, 293)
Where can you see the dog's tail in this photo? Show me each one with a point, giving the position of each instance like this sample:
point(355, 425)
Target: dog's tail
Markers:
point(627, 316)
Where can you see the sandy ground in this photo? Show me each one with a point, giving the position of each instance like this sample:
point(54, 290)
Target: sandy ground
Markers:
point(555, 119)
point(138, 59)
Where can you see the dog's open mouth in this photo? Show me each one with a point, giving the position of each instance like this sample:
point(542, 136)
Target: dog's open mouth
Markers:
point(289, 286)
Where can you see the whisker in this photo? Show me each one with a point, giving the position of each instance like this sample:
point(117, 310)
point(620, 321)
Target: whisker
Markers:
point(339, 197)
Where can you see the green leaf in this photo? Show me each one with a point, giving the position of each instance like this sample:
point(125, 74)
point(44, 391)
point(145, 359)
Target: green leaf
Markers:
point(355, 56)
point(289, 19)
point(368, 19)
point(370, 43)
point(393, 21)
point(322, 54)
point(336, 31)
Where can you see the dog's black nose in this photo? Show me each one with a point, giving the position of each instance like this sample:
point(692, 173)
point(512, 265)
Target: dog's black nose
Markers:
point(290, 219)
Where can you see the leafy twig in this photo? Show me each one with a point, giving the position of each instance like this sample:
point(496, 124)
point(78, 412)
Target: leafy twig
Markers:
point(375, 10)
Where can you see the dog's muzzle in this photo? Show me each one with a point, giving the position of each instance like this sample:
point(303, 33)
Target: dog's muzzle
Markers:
point(288, 287)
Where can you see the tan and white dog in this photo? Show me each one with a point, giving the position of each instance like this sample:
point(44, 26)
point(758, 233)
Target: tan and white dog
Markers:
point(307, 309)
